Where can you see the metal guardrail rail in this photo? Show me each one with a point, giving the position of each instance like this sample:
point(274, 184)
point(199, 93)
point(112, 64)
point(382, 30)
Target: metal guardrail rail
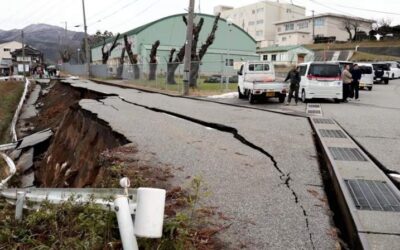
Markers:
point(18, 111)
point(12, 168)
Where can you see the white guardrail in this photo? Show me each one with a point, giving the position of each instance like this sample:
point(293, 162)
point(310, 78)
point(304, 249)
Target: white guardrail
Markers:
point(146, 203)
point(18, 111)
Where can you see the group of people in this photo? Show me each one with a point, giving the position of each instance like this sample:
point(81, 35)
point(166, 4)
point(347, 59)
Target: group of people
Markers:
point(351, 82)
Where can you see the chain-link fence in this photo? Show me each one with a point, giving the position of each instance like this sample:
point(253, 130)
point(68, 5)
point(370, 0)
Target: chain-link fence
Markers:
point(214, 76)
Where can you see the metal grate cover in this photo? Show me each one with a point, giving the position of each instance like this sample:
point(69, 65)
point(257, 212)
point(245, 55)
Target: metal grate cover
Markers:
point(347, 154)
point(312, 111)
point(314, 105)
point(323, 121)
point(373, 195)
point(332, 133)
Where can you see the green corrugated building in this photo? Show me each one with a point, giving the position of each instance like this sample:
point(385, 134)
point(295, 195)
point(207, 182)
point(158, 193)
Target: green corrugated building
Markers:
point(232, 44)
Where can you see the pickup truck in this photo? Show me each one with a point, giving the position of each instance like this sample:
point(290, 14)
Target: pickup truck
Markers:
point(257, 80)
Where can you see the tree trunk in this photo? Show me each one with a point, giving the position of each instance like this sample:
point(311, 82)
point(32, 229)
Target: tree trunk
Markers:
point(120, 68)
point(194, 74)
point(153, 61)
point(171, 68)
point(106, 54)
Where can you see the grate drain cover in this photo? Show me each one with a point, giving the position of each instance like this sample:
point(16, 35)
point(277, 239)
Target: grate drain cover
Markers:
point(373, 195)
point(323, 121)
point(347, 154)
point(312, 111)
point(332, 133)
point(314, 105)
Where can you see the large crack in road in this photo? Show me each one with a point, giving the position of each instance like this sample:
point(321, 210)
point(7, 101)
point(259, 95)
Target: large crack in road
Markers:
point(284, 177)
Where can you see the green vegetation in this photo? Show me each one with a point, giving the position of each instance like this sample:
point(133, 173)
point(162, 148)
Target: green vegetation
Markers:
point(352, 45)
point(10, 94)
point(362, 57)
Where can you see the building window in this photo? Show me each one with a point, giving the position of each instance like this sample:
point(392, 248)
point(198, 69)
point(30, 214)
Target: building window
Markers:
point(260, 10)
point(228, 62)
point(273, 58)
point(259, 33)
point(7, 50)
point(265, 57)
point(289, 26)
point(261, 21)
point(319, 22)
point(251, 23)
point(283, 38)
point(302, 25)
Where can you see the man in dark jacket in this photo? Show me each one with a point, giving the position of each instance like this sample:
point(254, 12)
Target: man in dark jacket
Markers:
point(295, 79)
point(355, 84)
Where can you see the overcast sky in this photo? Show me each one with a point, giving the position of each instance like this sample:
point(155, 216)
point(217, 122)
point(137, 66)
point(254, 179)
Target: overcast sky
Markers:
point(123, 15)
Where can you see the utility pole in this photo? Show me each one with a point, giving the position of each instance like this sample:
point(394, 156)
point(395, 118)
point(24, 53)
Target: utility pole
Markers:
point(23, 52)
point(313, 26)
point(188, 49)
point(86, 41)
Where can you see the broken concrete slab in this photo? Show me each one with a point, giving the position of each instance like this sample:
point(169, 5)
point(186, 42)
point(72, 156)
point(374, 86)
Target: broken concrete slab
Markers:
point(25, 162)
point(27, 180)
point(15, 154)
point(34, 139)
point(29, 109)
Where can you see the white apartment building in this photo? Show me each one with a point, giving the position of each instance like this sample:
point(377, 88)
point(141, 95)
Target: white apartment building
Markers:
point(259, 19)
point(5, 55)
point(300, 31)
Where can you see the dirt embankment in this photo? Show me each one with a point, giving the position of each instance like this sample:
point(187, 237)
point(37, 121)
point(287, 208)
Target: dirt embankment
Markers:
point(72, 157)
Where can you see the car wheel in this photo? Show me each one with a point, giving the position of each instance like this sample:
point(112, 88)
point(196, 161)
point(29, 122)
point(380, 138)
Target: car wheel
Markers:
point(241, 96)
point(386, 81)
point(282, 98)
point(252, 98)
point(303, 96)
point(393, 76)
point(369, 88)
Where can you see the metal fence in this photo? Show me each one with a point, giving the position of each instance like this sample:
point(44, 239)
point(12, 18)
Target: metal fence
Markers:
point(213, 75)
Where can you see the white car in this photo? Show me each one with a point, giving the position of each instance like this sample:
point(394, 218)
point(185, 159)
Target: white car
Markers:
point(367, 77)
point(321, 80)
point(394, 69)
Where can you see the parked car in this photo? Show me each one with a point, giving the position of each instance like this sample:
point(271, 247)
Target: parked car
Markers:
point(256, 79)
point(394, 69)
point(381, 72)
point(342, 64)
point(367, 77)
point(213, 79)
point(321, 80)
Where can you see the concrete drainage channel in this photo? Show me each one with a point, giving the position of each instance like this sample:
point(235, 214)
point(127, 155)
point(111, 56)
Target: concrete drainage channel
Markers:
point(366, 198)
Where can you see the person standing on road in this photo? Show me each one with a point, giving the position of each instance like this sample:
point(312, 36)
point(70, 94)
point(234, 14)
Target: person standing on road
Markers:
point(347, 79)
point(295, 79)
point(355, 84)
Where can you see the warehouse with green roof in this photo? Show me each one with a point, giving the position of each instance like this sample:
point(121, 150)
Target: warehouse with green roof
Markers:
point(232, 45)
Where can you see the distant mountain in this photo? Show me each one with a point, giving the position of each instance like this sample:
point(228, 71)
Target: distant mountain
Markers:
point(47, 38)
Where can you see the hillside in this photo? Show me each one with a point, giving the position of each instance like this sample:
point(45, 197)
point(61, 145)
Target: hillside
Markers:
point(46, 38)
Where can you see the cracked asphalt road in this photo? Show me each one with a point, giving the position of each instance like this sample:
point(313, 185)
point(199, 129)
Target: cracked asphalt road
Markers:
point(261, 167)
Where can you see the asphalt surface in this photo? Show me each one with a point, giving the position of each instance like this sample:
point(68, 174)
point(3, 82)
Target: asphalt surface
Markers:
point(260, 167)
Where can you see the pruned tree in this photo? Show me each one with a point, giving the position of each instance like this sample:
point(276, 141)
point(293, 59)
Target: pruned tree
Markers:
point(196, 57)
point(106, 53)
point(153, 61)
point(347, 26)
point(133, 58)
point(121, 64)
point(352, 27)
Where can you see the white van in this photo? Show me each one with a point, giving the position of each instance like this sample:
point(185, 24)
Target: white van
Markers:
point(257, 80)
point(367, 77)
point(394, 69)
point(321, 80)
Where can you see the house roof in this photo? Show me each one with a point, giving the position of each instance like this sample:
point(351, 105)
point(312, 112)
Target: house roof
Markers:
point(280, 48)
point(326, 15)
point(145, 26)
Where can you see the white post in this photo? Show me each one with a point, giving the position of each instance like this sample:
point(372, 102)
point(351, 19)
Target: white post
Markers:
point(19, 205)
point(125, 223)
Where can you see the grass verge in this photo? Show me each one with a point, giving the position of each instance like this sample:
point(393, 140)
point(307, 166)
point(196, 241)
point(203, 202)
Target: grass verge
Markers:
point(10, 94)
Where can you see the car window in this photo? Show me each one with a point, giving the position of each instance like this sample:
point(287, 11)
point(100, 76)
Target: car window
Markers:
point(324, 70)
point(381, 66)
point(258, 67)
point(366, 69)
point(303, 70)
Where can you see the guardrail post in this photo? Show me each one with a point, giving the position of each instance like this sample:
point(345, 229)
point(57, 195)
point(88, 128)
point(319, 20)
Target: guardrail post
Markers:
point(19, 205)
point(125, 223)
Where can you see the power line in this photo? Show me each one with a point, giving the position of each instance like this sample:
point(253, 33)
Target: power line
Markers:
point(328, 7)
point(369, 10)
point(113, 13)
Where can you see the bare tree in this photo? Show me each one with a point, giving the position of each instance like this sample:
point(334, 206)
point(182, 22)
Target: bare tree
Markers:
point(196, 57)
point(65, 55)
point(121, 64)
point(153, 61)
point(132, 57)
point(352, 27)
point(107, 53)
